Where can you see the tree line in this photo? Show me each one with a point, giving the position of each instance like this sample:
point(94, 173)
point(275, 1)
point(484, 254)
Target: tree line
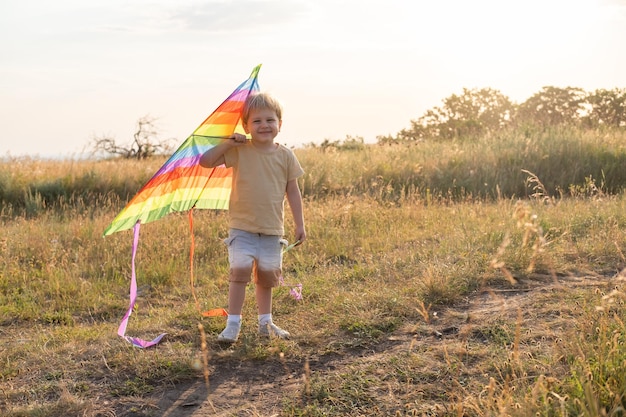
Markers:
point(476, 112)
point(473, 113)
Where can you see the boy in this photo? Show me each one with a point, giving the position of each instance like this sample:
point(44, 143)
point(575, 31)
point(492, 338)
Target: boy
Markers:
point(263, 173)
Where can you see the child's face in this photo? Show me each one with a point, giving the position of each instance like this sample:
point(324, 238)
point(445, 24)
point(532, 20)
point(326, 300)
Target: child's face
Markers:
point(263, 125)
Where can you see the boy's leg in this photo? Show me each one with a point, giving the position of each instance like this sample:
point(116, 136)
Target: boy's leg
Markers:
point(266, 325)
point(264, 299)
point(236, 297)
point(241, 261)
point(267, 275)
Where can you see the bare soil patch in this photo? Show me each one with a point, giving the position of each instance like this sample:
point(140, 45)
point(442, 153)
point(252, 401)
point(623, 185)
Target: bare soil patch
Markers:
point(541, 307)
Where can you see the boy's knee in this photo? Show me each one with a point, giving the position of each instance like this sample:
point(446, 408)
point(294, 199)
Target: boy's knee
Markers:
point(242, 275)
point(268, 278)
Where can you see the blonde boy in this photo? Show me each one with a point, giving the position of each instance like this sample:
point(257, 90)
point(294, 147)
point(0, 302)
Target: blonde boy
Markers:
point(263, 173)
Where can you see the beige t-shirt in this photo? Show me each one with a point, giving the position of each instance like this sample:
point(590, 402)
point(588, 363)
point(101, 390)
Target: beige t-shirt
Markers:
point(257, 199)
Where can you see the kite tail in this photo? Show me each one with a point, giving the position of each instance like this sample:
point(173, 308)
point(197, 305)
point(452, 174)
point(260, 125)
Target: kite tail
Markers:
point(215, 312)
point(121, 331)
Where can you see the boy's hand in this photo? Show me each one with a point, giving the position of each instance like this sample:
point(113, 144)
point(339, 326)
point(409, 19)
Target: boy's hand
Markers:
point(239, 139)
point(300, 236)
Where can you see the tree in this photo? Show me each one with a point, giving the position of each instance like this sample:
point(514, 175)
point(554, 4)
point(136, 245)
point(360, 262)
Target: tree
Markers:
point(476, 112)
point(144, 144)
point(472, 113)
point(608, 108)
point(553, 106)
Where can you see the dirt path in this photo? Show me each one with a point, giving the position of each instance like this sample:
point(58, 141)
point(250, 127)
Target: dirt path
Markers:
point(261, 388)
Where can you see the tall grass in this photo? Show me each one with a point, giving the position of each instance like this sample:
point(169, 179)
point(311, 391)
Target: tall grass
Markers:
point(568, 162)
point(490, 167)
point(29, 187)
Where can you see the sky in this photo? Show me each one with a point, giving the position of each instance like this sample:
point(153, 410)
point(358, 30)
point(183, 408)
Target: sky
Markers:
point(74, 70)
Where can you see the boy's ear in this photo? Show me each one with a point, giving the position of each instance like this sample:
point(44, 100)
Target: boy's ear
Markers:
point(280, 123)
point(245, 128)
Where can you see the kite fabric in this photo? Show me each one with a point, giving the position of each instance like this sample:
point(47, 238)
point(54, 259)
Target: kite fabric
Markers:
point(182, 184)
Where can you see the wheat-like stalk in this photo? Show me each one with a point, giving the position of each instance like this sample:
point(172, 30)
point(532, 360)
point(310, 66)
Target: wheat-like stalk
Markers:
point(205, 355)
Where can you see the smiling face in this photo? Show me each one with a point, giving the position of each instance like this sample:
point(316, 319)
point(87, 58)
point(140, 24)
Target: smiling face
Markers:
point(263, 125)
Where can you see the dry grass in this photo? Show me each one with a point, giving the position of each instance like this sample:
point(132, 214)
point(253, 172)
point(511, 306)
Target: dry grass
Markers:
point(412, 306)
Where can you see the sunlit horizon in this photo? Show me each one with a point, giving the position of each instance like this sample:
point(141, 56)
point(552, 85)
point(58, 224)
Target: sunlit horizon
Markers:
point(72, 70)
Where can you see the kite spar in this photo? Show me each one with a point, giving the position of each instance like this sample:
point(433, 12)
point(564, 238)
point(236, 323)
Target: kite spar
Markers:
point(182, 184)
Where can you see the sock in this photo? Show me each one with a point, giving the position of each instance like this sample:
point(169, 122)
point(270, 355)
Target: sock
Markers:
point(265, 318)
point(234, 318)
point(231, 331)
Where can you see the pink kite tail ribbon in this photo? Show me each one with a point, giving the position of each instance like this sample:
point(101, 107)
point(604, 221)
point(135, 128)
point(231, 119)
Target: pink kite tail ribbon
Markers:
point(295, 290)
point(121, 331)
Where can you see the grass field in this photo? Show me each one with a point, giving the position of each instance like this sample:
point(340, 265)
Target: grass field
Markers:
point(438, 279)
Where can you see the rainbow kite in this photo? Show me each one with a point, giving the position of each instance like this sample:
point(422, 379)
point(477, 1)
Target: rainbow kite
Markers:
point(181, 184)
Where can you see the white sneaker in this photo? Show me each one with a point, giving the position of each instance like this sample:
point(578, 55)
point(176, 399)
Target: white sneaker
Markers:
point(231, 333)
point(270, 329)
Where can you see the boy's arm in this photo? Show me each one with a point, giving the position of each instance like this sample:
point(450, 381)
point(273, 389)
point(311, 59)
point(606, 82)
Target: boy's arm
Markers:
point(215, 156)
point(295, 203)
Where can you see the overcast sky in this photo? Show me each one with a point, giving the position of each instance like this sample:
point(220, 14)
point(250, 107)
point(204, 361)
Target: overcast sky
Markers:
point(74, 69)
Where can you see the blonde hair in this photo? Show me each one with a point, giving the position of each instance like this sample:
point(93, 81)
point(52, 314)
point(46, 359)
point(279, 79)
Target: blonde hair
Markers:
point(261, 101)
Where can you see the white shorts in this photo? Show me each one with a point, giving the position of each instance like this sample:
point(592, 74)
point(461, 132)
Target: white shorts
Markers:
point(255, 254)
